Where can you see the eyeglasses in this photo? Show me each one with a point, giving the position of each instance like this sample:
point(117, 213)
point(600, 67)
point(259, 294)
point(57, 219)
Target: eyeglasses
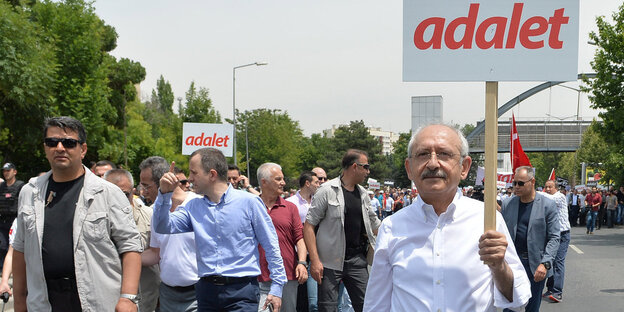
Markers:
point(67, 142)
point(520, 183)
point(365, 166)
point(423, 157)
point(322, 178)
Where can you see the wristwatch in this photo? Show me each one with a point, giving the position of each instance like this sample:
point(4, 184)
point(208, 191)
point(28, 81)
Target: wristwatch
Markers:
point(133, 298)
point(305, 264)
point(546, 265)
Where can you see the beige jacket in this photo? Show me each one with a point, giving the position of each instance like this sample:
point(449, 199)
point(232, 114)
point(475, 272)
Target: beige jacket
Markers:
point(328, 212)
point(103, 230)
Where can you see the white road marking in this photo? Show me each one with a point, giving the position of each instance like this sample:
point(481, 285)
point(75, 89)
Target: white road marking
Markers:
point(578, 251)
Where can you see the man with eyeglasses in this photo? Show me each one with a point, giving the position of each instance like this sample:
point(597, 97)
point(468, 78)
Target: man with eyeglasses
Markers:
point(75, 235)
point(433, 254)
point(142, 215)
point(533, 222)
point(320, 174)
point(347, 225)
point(184, 182)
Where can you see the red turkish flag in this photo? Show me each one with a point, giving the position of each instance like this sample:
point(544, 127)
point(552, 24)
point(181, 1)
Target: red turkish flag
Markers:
point(552, 175)
point(518, 157)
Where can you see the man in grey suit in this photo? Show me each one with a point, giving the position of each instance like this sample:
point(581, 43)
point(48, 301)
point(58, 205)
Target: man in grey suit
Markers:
point(532, 221)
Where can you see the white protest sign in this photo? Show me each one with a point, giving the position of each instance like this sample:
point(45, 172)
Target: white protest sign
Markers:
point(490, 40)
point(200, 135)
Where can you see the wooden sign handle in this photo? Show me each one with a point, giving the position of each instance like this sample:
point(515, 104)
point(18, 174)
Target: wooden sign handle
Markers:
point(491, 149)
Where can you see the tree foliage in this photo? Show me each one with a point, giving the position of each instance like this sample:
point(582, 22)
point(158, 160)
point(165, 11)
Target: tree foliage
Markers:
point(199, 107)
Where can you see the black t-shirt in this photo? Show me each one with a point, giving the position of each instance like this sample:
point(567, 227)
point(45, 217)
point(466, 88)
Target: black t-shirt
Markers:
point(524, 215)
point(8, 199)
point(354, 222)
point(57, 248)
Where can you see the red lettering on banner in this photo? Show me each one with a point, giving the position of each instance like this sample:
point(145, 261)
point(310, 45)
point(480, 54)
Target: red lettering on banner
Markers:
point(203, 140)
point(533, 27)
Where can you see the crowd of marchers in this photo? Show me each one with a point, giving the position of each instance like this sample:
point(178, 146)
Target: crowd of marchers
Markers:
point(91, 239)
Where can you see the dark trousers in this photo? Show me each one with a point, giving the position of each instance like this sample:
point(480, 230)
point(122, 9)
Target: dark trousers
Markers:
point(536, 290)
point(574, 214)
point(583, 216)
point(601, 217)
point(5, 226)
point(63, 295)
point(610, 217)
point(238, 297)
point(354, 275)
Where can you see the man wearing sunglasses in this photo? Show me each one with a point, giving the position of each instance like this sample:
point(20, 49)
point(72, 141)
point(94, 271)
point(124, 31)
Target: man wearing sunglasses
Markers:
point(320, 174)
point(533, 222)
point(75, 234)
point(347, 225)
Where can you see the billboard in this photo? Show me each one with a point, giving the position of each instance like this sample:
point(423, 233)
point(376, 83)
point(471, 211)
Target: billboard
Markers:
point(200, 135)
point(490, 40)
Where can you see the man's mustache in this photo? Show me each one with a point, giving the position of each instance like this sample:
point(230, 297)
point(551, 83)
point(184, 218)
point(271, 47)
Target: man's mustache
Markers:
point(433, 174)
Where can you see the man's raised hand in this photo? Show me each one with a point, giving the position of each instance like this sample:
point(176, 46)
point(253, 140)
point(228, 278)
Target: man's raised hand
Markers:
point(169, 181)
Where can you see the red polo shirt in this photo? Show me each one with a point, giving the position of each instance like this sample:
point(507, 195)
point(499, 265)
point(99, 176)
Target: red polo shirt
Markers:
point(285, 217)
point(594, 199)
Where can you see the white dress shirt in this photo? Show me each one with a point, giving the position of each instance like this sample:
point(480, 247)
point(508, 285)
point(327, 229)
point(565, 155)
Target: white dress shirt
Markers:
point(302, 204)
point(428, 263)
point(562, 207)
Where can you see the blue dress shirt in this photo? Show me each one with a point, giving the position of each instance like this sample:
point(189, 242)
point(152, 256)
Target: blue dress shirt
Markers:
point(226, 234)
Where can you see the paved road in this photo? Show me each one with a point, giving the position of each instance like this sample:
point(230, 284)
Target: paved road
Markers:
point(594, 279)
point(594, 273)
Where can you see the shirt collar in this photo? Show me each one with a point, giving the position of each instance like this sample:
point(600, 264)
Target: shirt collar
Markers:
point(429, 213)
point(225, 198)
point(302, 200)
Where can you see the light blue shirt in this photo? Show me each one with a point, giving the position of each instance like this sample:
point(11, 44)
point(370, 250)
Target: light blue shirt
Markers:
point(227, 234)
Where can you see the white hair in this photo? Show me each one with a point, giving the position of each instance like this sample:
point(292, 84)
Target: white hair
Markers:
point(264, 171)
point(463, 148)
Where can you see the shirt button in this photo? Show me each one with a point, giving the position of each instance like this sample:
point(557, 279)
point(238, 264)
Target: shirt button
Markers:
point(438, 254)
point(438, 283)
point(439, 310)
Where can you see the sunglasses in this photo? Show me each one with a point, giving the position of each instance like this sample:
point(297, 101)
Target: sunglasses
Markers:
point(67, 142)
point(322, 178)
point(520, 183)
point(365, 166)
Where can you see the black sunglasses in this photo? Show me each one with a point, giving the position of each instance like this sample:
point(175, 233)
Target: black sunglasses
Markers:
point(520, 183)
point(67, 142)
point(365, 166)
point(322, 178)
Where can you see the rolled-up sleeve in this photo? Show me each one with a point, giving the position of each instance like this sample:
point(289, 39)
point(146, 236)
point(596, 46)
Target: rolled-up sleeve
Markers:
point(124, 231)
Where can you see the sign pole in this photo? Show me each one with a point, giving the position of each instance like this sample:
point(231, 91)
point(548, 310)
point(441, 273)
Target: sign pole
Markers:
point(491, 149)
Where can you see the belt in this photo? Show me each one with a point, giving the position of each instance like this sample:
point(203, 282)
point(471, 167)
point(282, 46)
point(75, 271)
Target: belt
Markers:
point(524, 255)
point(565, 232)
point(181, 288)
point(227, 280)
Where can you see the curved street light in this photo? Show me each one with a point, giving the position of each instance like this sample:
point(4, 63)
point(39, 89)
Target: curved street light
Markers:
point(234, 101)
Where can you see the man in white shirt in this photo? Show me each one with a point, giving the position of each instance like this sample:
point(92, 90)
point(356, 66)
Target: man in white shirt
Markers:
point(374, 202)
point(431, 255)
point(388, 207)
point(555, 282)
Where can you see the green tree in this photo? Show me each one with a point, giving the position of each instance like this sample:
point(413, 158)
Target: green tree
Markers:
point(273, 136)
point(399, 153)
point(165, 95)
point(199, 107)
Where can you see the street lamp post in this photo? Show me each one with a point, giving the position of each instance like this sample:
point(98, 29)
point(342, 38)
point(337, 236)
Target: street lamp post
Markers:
point(234, 101)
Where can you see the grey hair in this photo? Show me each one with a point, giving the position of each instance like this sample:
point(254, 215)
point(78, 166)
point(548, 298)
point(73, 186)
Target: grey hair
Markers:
point(114, 175)
point(159, 167)
point(264, 171)
point(529, 170)
point(463, 149)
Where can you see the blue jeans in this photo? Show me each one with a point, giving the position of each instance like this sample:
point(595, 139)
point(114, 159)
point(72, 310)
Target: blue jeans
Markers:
point(312, 293)
point(555, 282)
point(591, 220)
point(620, 210)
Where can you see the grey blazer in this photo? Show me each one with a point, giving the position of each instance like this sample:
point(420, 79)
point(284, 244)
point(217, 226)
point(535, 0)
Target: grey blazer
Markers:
point(543, 233)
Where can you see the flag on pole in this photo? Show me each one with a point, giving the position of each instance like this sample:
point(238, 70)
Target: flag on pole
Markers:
point(552, 175)
point(518, 157)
